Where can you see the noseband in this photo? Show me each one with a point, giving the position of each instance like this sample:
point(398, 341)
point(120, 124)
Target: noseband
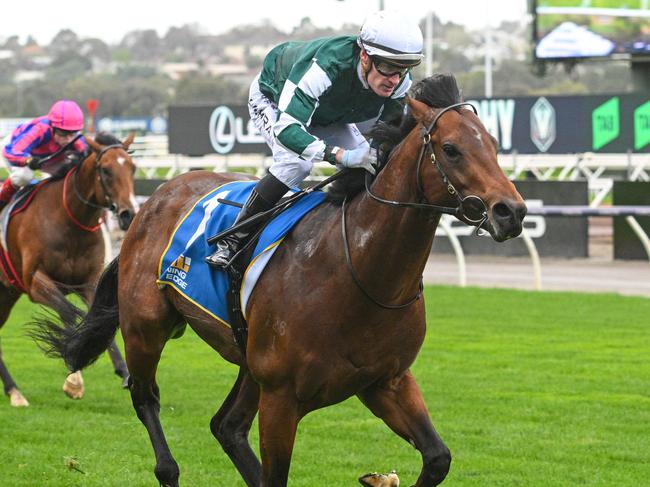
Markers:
point(466, 204)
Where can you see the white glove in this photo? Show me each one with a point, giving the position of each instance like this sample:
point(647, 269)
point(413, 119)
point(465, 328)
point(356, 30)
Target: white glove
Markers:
point(363, 157)
point(21, 175)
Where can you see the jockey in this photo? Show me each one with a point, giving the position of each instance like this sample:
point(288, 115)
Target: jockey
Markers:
point(41, 137)
point(310, 95)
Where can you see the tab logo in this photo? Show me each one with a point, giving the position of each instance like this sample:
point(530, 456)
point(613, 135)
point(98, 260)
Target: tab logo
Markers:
point(605, 123)
point(543, 128)
point(642, 126)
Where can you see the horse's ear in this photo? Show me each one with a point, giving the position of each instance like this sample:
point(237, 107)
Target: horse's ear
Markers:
point(93, 145)
point(421, 111)
point(129, 140)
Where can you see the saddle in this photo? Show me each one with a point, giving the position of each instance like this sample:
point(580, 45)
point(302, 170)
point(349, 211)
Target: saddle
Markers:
point(222, 294)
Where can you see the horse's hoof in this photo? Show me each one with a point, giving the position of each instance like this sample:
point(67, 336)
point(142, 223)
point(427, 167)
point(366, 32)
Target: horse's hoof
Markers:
point(380, 480)
point(74, 386)
point(17, 400)
point(125, 382)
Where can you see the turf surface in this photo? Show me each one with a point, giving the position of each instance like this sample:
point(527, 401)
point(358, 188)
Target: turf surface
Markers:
point(527, 389)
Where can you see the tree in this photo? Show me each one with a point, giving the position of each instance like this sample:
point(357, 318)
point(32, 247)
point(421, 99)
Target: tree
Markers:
point(65, 41)
point(67, 66)
point(208, 89)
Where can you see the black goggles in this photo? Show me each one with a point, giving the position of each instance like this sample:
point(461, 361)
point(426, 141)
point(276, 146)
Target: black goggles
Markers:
point(64, 133)
point(388, 69)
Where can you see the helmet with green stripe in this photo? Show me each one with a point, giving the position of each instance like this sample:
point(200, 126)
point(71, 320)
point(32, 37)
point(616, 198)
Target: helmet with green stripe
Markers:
point(392, 37)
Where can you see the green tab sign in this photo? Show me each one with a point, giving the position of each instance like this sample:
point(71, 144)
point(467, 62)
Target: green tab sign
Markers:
point(605, 123)
point(642, 126)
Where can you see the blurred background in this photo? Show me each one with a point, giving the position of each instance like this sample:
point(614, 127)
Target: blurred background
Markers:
point(564, 85)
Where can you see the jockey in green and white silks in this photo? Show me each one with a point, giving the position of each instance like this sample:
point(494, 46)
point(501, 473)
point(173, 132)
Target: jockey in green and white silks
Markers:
point(309, 97)
point(310, 86)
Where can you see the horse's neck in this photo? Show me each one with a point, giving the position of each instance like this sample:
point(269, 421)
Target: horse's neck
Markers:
point(391, 243)
point(80, 191)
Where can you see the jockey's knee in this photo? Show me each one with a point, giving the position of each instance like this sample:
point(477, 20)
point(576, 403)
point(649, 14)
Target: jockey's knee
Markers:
point(291, 173)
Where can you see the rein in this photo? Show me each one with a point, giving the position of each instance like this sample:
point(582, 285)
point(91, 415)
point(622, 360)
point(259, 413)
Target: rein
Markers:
point(356, 278)
point(459, 211)
point(83, 200)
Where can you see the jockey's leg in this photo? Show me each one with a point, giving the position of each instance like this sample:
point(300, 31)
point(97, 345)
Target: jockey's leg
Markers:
point(264, 196)
point(6, 192)
point(19, 176)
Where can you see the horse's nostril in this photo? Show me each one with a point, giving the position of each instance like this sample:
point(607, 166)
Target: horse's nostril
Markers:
point(501, 211)
point(125, 218)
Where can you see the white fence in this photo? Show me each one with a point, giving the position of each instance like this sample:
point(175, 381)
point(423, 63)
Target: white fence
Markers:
point(154, 161)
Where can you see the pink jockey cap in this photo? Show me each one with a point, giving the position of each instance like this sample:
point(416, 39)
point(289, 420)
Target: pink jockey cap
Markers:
point(66, 115)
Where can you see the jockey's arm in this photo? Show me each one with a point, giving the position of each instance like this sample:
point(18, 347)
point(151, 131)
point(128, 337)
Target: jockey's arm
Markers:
point(18, 151)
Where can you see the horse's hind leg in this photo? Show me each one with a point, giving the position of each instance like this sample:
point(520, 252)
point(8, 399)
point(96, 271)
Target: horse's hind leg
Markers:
point(231, 424)
point(143, 355)
point(400, 404)
point(8, 298)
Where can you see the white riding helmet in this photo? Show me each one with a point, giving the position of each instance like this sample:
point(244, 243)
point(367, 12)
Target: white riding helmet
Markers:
point(392, 36)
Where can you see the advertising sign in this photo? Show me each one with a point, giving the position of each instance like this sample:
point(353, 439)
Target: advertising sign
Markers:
point(568, 124)
point(525, 125)
point(201, 130)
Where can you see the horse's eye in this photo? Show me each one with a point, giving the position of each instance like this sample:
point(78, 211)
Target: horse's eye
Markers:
point(450, 151)
point(106, 172)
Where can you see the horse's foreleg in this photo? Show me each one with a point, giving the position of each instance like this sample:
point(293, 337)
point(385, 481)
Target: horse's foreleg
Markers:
point(8, 297)
point(146, 402)
point(119, 366)
point(231, 424)
point(400, 404)
point(278, 423)
point(42, 290)
point(118, 363)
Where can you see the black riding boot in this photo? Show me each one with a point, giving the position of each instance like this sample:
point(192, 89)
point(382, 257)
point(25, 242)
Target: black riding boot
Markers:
point(264, 197)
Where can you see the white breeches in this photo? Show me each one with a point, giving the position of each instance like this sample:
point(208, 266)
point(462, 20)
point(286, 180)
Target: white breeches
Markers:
point(287, 166)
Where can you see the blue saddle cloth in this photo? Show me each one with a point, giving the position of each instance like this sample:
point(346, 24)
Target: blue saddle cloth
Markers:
point(183, 265)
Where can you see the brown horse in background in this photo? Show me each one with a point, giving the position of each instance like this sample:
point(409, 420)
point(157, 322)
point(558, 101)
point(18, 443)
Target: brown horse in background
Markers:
point(55, 244)
point(338, 311)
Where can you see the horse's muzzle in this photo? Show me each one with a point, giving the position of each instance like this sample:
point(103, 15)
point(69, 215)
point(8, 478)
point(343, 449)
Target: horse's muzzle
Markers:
point(124, 218)
point(506, 218)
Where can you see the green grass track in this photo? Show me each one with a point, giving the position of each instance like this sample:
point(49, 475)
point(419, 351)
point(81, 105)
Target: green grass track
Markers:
point(526, 388)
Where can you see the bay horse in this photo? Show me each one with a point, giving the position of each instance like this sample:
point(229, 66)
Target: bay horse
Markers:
point(55, 246)
point(337, 312)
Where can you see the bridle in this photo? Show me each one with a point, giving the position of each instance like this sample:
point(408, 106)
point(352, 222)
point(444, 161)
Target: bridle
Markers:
point(109, 203)
point(466, 204)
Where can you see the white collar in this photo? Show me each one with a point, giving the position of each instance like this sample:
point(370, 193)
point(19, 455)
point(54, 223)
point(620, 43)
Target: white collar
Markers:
point(362, 78)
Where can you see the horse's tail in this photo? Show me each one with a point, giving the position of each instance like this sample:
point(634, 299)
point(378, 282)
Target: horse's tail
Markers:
point(81, 339)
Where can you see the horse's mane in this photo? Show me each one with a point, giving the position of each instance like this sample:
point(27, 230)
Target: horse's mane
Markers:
point(106, 138)
point(437, 91)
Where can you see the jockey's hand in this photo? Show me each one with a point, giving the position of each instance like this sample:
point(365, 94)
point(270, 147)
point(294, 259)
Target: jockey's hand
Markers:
point(72, 157)
point(363, 157)
point(33, 162)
